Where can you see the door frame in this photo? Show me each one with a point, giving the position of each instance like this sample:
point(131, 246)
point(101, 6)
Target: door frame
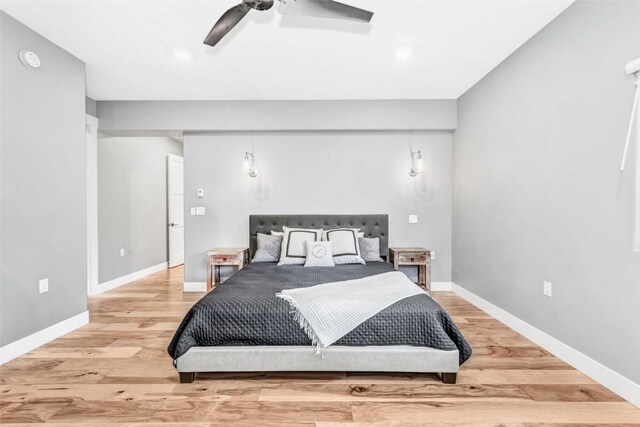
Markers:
point(91, 133)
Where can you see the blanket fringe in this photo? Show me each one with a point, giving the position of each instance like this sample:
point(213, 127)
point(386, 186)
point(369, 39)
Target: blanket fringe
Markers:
point(304, 325)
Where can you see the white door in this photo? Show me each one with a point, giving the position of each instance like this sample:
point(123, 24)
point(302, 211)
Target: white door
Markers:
point(175, 201)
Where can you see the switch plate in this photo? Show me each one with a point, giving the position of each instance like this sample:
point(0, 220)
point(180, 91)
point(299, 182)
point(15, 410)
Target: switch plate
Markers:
point(200, 210)
point(121, 252)
point(413, 219)
point(547, 288)
point(43, 285)
point(200, 193)
point(193, 211)
point(433, 255)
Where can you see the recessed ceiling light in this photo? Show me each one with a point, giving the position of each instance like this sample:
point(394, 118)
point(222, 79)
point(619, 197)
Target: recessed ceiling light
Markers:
point(404, 53)
point(182, 54)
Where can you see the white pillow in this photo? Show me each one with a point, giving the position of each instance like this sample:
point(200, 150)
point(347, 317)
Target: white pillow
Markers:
point(345, 245)
point(319, 254)
point(294, 250)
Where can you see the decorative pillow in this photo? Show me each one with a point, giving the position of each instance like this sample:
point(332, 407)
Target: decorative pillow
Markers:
point(294, 250)
point(370, 249)
point(268, 248)
point(345, 245)
point(319, 254)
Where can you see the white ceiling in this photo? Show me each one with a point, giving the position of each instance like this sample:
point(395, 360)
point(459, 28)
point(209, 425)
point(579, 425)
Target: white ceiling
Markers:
point(413, 49)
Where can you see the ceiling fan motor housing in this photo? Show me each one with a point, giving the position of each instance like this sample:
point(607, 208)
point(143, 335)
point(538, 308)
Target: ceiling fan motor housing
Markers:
point(259, 4)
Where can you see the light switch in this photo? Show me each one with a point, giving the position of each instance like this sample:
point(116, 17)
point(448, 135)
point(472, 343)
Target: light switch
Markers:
point(43, 285)
point(200, 193)
point(200, 210)
point(433, 255)
point(121, 252)
point(193, 211)
point(413, 219)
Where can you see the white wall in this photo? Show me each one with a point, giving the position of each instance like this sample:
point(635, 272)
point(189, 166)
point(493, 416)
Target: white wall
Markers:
point(317, 172)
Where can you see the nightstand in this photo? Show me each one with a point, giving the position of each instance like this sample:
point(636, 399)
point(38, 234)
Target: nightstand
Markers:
point(218, 257)
point(419, 257)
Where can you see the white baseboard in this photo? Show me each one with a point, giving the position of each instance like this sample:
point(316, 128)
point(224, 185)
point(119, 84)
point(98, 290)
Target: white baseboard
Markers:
point(195, 286)
point(112, 284)
point(612, 380)
point(35, 340)
point(440, 286)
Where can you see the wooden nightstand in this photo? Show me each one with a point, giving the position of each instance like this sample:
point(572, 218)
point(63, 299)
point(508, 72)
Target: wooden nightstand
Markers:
point(419, 257)
point(218, 257)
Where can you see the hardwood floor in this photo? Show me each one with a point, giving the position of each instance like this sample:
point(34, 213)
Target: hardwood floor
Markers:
point(116, 372)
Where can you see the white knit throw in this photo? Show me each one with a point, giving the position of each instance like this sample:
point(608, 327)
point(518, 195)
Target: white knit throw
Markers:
point(329, 311)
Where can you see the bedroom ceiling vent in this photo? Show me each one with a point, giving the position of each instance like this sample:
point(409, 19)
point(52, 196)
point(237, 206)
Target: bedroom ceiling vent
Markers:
point(250, 164)
point(416, 163)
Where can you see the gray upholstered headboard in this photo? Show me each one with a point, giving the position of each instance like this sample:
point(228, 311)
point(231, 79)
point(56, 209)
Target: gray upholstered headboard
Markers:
point(371, 225)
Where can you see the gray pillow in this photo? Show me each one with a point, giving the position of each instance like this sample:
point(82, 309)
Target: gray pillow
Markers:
point(370, 249)
point(268, 248)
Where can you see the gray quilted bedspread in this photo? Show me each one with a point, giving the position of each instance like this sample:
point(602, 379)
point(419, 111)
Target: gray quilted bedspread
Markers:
point(244, 311)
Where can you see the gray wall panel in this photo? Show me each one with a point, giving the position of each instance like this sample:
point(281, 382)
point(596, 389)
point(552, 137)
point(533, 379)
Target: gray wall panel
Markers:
point(43, 184)
point(277, 115)
point(132, 203)
point(317, 172)
point(537, 191)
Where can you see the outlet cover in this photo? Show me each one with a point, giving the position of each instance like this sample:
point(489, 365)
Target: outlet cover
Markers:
point(413, 219)
point(121, 252)
point(547, 288)
point(200, 210)
point(43, 285)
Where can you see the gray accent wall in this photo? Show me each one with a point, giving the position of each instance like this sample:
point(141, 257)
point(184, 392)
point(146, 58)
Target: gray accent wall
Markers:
point(132, 203)
point(316, 173)
point(537, 190)
point(43, 211)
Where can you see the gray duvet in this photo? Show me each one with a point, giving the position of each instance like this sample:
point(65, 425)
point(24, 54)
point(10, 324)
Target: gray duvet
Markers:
point(244, 310)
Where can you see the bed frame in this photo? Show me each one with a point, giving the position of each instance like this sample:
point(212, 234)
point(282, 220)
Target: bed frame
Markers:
point(302, 358)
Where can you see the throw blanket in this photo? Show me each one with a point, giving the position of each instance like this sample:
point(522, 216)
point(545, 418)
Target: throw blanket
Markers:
point(330, 311)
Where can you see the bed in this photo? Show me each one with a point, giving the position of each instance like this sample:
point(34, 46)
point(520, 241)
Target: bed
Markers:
point(241, 326)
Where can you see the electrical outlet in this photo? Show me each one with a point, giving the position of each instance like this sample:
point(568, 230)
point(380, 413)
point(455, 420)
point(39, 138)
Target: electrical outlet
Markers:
point(122, 252)
point(43, 285)
point(413, 219)
point(547, 288)
point(433, 255)
point(200, 210)
point(192, 211)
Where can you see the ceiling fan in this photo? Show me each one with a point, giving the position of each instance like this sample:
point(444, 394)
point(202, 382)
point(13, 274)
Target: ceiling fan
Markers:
point(318, 8)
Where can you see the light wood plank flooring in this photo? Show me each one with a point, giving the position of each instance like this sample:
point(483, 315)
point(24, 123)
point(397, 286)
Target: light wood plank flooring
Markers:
point(116, 372)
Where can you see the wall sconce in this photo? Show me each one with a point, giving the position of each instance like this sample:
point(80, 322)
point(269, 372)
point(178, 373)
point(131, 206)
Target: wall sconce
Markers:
point(250, 164)
point(416, 161)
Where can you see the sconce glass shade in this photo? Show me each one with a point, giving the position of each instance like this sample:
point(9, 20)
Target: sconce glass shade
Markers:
point(249, 164)
point(414, 170)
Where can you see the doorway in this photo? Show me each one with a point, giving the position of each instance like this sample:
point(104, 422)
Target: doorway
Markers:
point(175, 200)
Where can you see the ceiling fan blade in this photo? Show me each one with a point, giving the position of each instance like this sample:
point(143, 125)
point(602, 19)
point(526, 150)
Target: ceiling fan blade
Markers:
point(324, 9)
point(226, 22)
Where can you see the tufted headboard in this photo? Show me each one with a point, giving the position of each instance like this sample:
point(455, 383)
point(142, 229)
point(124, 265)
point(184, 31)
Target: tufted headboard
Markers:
point(371, 225)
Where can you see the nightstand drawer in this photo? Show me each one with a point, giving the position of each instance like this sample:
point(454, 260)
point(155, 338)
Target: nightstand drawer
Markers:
point(411, 257)
point(225, 259)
